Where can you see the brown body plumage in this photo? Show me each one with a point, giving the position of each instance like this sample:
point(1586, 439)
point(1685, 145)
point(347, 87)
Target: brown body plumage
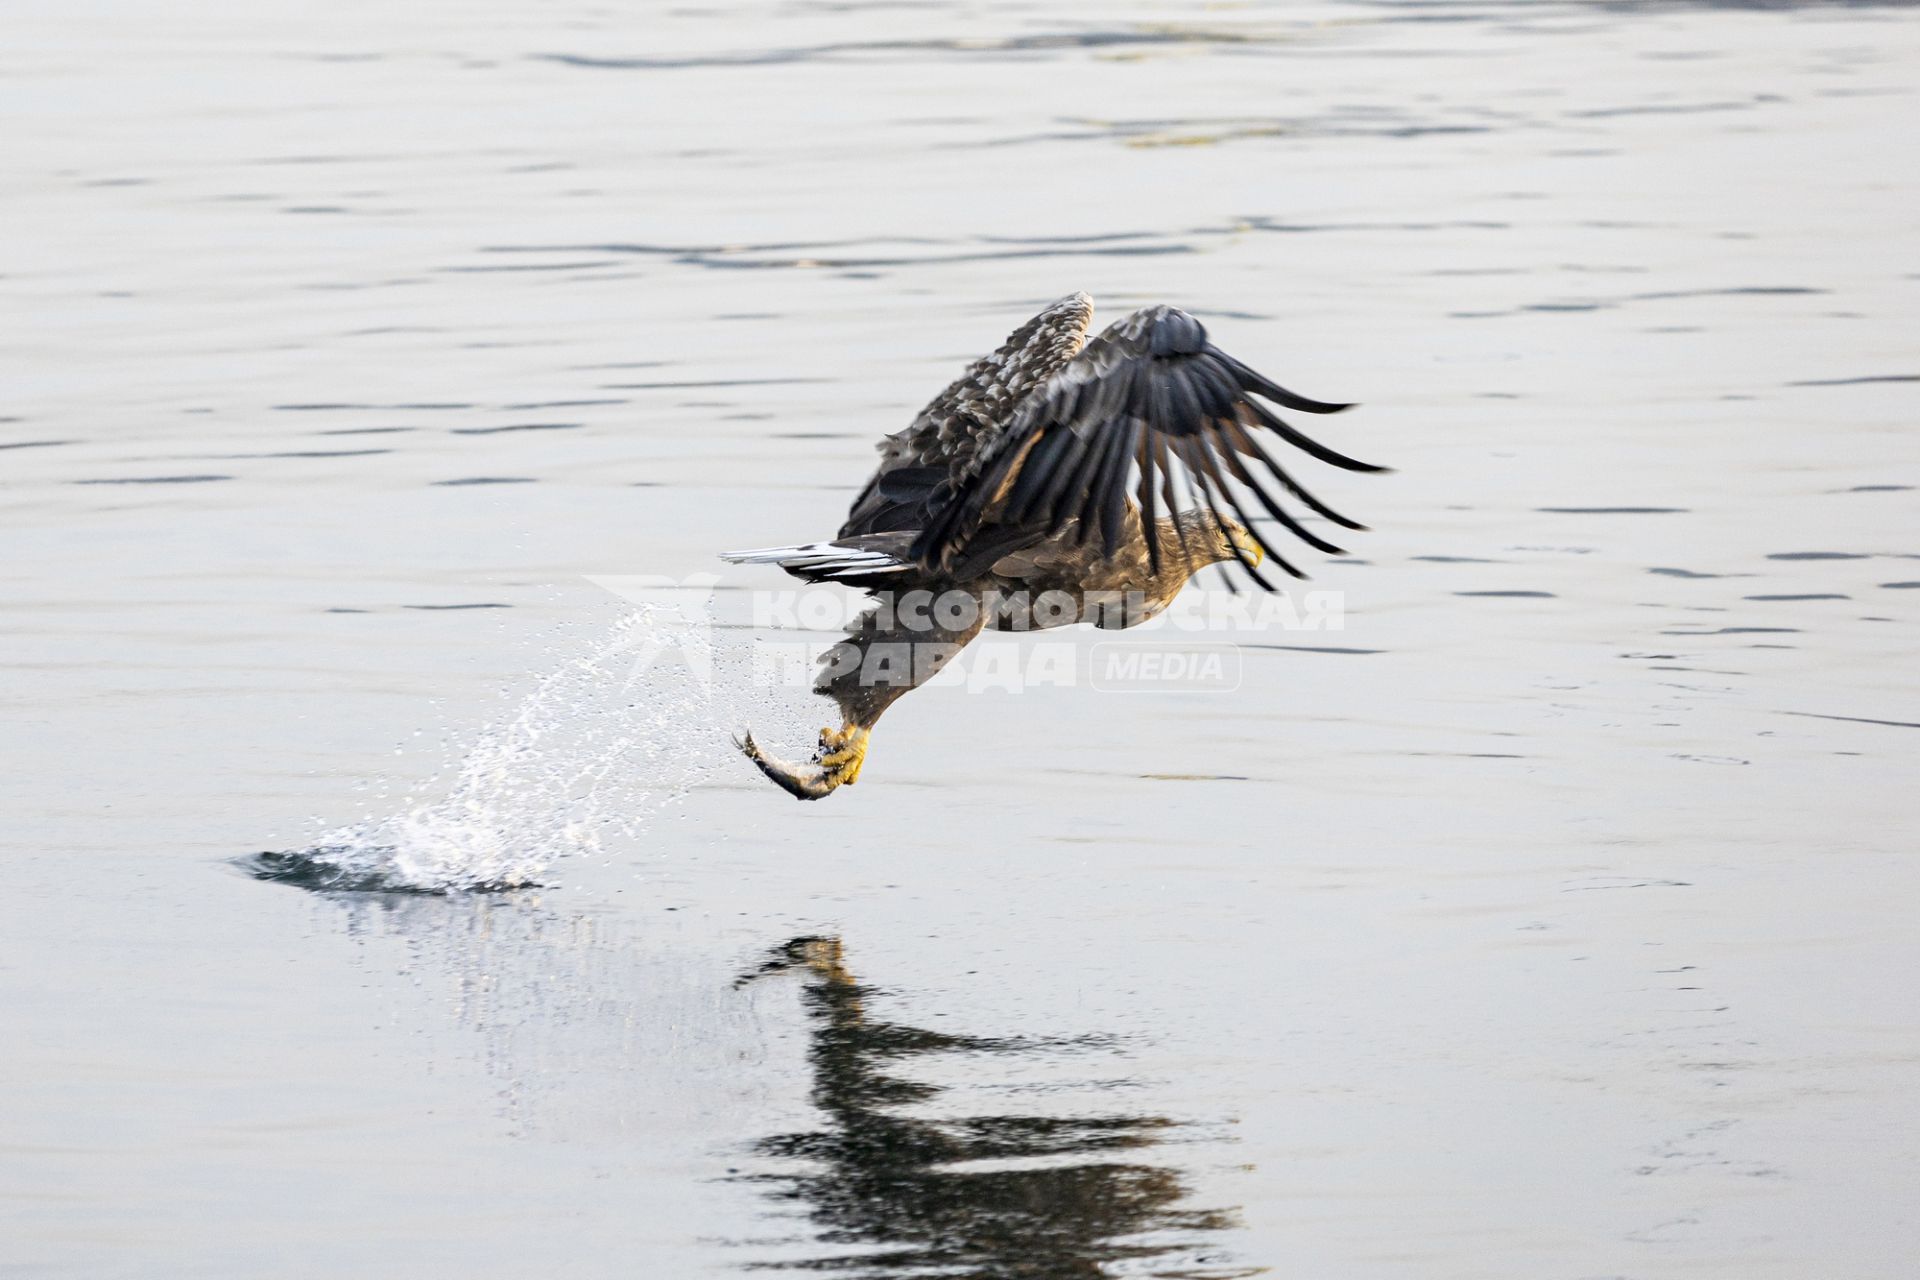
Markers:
point(1047, 469)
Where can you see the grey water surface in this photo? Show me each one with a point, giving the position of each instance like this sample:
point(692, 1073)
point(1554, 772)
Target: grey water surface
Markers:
point(1554, 917)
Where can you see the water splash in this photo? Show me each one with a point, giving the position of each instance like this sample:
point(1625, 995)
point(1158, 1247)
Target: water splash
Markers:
point(603, 743)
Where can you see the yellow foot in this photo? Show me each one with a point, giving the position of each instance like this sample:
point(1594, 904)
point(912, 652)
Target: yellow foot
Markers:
point(842, 753)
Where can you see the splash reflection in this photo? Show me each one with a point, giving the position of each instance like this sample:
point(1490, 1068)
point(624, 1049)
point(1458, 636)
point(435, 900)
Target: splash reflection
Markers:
point(590, 1028)
point(981, 1197)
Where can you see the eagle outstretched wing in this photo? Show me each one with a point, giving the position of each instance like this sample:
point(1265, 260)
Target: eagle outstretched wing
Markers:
point(1148, 401)
point(945, 438)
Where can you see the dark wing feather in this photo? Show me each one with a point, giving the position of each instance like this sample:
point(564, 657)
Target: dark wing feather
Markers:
point(945, 438)
point(1149, 392)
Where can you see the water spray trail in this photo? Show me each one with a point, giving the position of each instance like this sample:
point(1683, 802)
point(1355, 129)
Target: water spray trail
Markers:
point(601, 744)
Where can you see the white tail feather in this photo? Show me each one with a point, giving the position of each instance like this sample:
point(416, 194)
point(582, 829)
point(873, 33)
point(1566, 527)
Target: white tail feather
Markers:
point(824, 558)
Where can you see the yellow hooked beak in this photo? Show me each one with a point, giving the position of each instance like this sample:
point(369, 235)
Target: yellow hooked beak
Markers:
point(1248, 547)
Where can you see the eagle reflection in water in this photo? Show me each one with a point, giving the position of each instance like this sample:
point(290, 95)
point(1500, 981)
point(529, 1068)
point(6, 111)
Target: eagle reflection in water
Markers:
point(916, 1197)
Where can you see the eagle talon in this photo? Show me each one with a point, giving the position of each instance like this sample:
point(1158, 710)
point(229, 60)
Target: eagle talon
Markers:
point(853, 772)
point(849, 754)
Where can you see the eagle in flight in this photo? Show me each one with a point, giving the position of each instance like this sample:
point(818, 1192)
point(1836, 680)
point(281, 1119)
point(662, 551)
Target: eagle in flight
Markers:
point(1093, 475)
